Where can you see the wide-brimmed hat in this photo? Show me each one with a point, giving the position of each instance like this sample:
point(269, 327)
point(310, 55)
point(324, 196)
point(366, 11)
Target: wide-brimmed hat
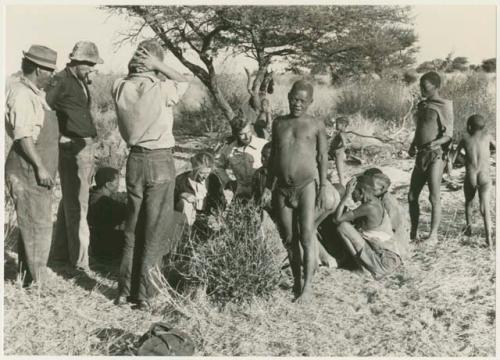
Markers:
point(41, 55)
point(86, 51)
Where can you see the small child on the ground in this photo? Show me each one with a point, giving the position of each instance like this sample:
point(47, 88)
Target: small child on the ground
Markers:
point(264, 120)
point(338, 147)
point(477, 142)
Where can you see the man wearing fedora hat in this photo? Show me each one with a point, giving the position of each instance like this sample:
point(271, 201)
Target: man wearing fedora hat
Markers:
point(68, 94)
point(29, 167)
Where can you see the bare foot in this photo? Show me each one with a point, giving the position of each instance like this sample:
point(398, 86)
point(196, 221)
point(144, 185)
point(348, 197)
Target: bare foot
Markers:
point(305, 297)
point(467, 230)
point(489, 243)
point(432, 239)
point(330, 262)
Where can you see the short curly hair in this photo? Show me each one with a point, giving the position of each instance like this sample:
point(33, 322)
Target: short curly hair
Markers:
point(433, 77)
point(153, 46)
point(239, 122)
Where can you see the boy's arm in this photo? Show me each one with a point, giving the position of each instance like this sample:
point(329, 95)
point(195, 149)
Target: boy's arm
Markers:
point(322, 160)
point(322, 157)
point(349, 216)
point(493, 143)
point(459, 148)
point(270, 165)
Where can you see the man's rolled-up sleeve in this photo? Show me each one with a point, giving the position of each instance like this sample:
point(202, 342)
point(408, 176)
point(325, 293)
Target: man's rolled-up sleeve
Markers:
point(20, 115)
point(173, 91)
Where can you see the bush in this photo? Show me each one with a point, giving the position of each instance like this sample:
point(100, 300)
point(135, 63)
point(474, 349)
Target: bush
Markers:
point(383, 98)
point(471, 95)
point(236, 262)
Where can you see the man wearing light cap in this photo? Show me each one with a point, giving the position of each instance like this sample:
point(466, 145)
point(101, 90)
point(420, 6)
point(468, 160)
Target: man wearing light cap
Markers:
point(29, 167)
point(68, 94)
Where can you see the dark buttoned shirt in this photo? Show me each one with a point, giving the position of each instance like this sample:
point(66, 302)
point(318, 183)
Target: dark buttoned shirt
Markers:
point(70, 98)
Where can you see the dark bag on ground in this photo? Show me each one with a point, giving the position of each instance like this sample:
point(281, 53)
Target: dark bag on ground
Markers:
point(162, 340)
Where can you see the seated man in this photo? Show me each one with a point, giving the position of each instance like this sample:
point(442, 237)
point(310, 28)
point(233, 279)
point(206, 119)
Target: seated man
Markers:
point(106, 215)
point(242, 156)
point(372, 242)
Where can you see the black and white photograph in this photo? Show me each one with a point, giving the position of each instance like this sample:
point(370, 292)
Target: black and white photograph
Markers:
point(249, 179)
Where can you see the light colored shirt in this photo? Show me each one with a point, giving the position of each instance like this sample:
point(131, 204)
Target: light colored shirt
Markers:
point(243, 161)
point(25, 107)
point(144, 109)
point(200, 193)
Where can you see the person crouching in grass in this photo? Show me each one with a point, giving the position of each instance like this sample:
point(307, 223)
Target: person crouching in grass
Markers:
point(371, 242)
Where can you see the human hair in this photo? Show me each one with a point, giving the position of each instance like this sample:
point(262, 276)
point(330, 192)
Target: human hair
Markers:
point(266, 147)
point(372, 171)
point(381, 183)
point(432, 77)
point(302, 85)
point(366, 184)
point(238, 123)
point(475, 123)
point(104, 175)
point(28, 67)
point(342, 121)
point(202, 159)
point(153, 47)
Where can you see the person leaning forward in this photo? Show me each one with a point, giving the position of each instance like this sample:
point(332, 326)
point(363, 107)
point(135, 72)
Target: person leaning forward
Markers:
point(68, 94)
point(29, 168)
point(145, 119)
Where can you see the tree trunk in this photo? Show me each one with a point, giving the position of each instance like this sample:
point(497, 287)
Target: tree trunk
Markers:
point(216, 92)
point(260, 77)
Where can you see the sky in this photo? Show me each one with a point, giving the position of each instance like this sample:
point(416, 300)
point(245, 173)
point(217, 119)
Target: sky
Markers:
point(465, 30)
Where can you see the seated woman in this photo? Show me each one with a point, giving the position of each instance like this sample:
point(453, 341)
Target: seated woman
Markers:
point(371, 242)
point(191, 188)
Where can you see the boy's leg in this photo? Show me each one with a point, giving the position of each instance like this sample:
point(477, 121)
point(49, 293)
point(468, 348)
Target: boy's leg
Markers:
point(434, 183)
point(284, 220)
point(340, 164)
point(306, 211)
point(469, 194)
point(417, 183)
point(484, 206)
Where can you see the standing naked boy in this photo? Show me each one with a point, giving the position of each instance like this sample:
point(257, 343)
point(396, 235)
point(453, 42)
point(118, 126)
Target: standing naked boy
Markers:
point(433, 132)
point(477, 171)
point(337, 147)
point(298, 156)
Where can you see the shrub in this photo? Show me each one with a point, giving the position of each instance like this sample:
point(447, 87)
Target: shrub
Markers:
point(471, 95)
point(383, 98)
point(236, 262)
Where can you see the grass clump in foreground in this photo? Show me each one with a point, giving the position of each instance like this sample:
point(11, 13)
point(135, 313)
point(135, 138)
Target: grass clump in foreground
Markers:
point(236, 262)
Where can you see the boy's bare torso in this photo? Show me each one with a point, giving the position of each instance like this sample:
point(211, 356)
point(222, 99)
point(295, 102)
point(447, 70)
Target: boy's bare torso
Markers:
point(427, 125)
point(295, 150)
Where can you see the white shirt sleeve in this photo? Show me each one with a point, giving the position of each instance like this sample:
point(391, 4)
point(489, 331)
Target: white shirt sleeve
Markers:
point(173, 91)
point(20, 114)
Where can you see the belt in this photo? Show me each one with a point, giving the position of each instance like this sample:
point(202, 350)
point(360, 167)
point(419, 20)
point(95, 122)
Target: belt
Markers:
point(66, 139)
point(140, 149)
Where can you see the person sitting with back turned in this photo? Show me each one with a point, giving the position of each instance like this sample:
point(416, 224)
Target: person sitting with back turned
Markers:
point(106, 215)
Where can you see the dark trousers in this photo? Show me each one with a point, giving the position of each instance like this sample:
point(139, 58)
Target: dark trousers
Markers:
point(150, 189)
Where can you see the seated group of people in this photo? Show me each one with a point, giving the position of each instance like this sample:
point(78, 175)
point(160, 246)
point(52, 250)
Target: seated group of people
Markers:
point(374, 234)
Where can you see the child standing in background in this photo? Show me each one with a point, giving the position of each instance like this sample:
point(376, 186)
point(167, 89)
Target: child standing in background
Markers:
point(338, 147)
